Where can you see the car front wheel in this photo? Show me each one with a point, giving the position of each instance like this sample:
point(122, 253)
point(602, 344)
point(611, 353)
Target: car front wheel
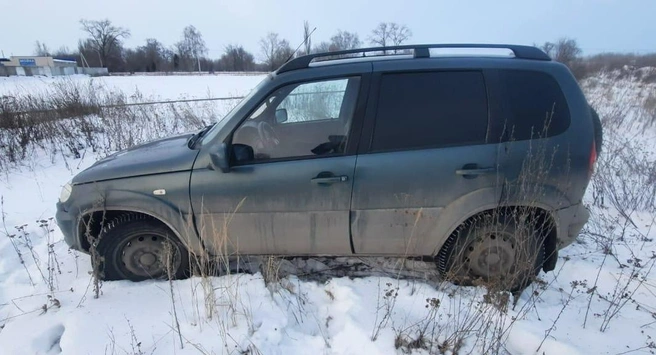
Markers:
point(137, 247)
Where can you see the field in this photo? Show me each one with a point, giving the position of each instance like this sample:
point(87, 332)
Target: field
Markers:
point(601, 299)
point(157, 87)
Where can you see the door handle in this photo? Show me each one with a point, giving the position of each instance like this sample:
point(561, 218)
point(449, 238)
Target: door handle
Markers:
point(471, 171)
point(324, 179)
point(479, 171)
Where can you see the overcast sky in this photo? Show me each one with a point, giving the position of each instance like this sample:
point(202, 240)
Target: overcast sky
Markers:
point(597, 25)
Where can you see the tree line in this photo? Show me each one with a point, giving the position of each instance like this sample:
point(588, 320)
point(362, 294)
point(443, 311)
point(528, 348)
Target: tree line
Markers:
point(103, 46)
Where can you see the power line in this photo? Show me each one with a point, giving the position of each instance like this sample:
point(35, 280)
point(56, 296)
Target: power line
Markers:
point(100, 107)
point(172, 101)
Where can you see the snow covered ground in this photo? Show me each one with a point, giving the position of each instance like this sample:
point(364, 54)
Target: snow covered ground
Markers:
point(601, 299)
point(157, 87)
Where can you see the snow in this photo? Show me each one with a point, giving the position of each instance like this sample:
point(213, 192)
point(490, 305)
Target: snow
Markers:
point(158, 87)
point(333, 311)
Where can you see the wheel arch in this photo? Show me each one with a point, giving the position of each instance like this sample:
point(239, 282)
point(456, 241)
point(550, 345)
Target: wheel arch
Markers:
point(542, 218)
point(487, 201)
point(93, 220)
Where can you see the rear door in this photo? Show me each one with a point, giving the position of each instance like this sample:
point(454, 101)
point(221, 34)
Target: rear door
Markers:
point(427, 133)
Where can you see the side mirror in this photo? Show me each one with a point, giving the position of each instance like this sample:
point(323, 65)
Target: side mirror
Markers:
point(242, 153)
point(219, 159)
point(281, 115)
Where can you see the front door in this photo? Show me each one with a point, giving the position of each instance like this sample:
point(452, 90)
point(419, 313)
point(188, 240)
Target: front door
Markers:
point(289, 188)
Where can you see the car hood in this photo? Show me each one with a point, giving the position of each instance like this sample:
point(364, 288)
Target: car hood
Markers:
point(157, 157)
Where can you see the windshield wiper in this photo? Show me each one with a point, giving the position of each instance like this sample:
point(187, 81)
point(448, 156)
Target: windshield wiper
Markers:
point(193, 139)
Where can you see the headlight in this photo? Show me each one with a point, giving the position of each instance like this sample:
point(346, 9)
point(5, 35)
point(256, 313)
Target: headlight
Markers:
point(66, 192)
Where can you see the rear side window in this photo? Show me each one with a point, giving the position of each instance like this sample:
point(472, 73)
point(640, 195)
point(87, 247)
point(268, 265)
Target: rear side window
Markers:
point(534, 106)
point(430, 110)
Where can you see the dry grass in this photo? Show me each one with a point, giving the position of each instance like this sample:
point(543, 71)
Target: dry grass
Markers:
point(70, 117)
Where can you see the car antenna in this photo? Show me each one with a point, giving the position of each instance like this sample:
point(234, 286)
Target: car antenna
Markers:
point(302, 43)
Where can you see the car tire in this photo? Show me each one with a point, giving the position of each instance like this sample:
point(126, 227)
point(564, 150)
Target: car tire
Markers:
point(498, 250)
point(137, 247)
point(598, 131)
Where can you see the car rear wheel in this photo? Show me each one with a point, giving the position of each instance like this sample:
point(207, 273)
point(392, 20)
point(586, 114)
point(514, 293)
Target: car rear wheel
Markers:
point(598, 131)
point(501, 251)
point(137, 247)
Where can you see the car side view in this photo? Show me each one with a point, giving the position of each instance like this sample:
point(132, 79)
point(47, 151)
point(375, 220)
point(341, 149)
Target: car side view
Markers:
point(478, 161)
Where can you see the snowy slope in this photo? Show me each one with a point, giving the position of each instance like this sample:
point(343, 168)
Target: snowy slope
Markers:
point(599, 300)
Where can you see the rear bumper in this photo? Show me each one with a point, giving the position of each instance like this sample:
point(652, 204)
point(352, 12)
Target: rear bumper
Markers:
point(570, 222)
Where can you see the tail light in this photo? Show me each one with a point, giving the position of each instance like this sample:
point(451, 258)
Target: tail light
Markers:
point(593, 159)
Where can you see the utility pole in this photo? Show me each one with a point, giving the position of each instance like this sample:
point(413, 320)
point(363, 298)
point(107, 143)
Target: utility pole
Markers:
point(84, 60)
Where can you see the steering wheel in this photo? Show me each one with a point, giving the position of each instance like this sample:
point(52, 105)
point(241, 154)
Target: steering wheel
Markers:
point(268, 135)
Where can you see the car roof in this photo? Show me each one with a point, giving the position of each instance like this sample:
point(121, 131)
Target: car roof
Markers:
point(415, 51)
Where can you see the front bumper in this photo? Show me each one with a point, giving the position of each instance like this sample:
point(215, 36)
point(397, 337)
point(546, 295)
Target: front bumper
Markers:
point(67, 224)
point(570, 222)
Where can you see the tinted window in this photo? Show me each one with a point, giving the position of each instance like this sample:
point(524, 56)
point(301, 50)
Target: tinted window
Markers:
point(430, 109)
point(534, 105)
point(299, 120)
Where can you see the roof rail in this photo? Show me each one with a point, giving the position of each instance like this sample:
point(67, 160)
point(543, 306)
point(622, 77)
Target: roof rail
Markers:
point(420, 51)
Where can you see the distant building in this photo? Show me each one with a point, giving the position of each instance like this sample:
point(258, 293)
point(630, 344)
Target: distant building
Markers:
point(39, 62)
point(46, 66)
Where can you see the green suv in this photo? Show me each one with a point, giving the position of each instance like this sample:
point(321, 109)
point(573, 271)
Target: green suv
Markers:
point(478, 161)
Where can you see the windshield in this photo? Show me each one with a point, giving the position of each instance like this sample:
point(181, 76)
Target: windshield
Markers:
point(222, 122)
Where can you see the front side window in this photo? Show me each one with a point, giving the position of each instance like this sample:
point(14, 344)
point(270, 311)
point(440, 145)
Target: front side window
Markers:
point(300, 120)
point(314, 101)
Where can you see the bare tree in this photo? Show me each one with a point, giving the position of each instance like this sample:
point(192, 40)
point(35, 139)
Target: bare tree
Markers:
point(192, 44)
point(269, 47)
point(322, 47)
point(236, 58)
point(155, 54)
point(64, 51)
point(547, 47)
point(135, 60)
point(41, 50)
point(344, 40)
point(566, 51)
point(306, 37)
point(389, 34)
point(149, 58)
point(90, 56)
point(380, 35)
point(399, 34)
point(275, 51)
point(104, 38)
